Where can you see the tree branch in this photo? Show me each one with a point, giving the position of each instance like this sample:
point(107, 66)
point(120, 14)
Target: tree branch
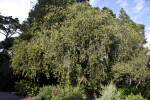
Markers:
point(138, 83)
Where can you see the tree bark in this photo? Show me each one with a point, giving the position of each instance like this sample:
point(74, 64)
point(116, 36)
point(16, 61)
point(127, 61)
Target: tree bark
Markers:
point(138, 83)
point(130, 81)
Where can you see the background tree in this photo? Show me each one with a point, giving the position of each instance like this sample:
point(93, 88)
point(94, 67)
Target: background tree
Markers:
point(111, 12)
point(135, 70)
point(8, 27)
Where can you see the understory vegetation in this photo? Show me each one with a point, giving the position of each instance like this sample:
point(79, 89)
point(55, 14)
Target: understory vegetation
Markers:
point(69, 50)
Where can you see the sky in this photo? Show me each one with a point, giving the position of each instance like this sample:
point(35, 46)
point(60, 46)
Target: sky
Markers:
point(138, 10)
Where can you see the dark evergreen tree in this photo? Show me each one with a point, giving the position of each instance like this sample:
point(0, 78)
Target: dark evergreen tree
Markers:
point(8, 27)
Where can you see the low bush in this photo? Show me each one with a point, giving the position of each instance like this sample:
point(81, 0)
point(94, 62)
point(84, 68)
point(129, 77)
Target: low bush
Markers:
point(45, 93)
point(91, 89)
point(110, 92)
point(128, 89)
point(60, 93)
point(134, 97)
point(25, 87)
point(67, 93)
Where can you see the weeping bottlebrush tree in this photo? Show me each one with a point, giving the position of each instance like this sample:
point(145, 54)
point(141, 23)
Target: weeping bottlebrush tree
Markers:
point(78, 44)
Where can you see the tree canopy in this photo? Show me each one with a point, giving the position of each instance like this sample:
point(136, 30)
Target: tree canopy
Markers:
point(77, 43)
point(79, 46)
point(8, 27)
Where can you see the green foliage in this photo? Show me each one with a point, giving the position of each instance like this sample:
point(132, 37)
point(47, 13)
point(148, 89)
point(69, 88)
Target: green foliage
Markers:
point(128, 89)
point(134, 70)
point(26, 87)
point(110, 11)
point(8, 26)
point(134, 97)
point(79, 45)
point(59, 93)
point(67, 93)
point(124, 18)
point(91, 89)
point(110, 92)
point(7, 43)
point(41, 9)
point(45, 93)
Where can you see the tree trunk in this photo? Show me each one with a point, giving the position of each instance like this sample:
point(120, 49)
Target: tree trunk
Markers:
point(138, 83)
point(130, 81)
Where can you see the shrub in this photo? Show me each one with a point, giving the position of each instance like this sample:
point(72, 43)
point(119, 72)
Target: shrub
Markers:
point(128, 89)
point(59, 93)
point(91, 89)
point(45, 93)
point(134, 97)
point(67, 93)
point(26, 87)
point(110, 92)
